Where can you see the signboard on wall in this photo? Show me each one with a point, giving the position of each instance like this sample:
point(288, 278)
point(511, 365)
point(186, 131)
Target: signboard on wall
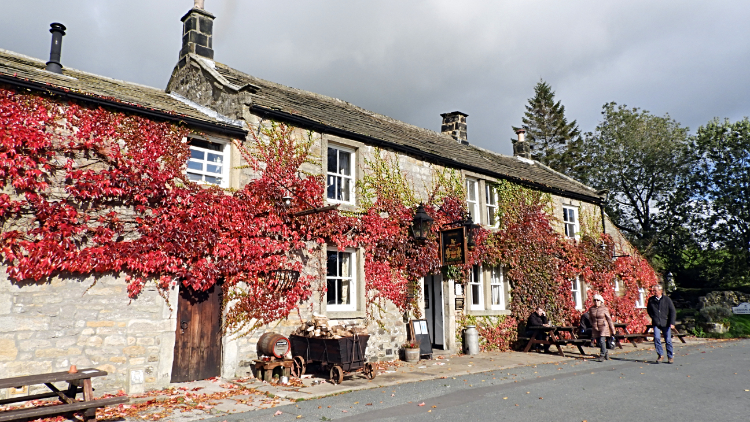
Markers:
point(742, 309)
point(453, 246)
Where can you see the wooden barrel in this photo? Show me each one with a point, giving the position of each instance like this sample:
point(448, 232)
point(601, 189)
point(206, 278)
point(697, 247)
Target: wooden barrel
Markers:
point(273, 344)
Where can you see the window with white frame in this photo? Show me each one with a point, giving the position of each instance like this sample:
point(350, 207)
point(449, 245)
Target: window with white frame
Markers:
point(340, 175)
point(497, 288)
point(570, 219)
point(472, 199)
point(576, 292)
point(341, 280)
point(476, 288)
point(641, 301)
point(490, 202)
point(207, 162)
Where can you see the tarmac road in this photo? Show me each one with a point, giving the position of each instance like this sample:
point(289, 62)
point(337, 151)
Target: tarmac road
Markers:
point(707, 382)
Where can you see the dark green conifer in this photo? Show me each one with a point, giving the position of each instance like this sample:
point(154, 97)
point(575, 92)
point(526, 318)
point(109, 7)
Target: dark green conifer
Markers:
point(552, 139)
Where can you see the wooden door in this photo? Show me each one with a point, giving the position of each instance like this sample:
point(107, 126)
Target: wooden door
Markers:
point(197, 347)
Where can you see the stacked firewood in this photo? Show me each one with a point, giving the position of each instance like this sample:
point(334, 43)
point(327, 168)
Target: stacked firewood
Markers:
point(321, 327)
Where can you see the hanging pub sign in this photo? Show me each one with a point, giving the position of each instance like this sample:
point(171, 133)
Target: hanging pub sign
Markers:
point(453, 246)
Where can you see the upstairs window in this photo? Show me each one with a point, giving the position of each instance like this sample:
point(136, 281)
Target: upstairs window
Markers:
point(491, 204)
point(576, 292)
point(340, 180)
point(570, 219)
point(207, 163)
point(340, 278)
point(472, 199)
point(497, 289)
point(476, 288)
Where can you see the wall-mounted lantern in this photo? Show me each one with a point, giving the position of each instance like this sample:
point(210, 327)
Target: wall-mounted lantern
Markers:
point(421, 224)
point(469, 224)
point(286, 200)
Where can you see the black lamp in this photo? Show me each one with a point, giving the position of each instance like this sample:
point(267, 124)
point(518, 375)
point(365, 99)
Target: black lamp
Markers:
point(469, 224)
point(421, 223)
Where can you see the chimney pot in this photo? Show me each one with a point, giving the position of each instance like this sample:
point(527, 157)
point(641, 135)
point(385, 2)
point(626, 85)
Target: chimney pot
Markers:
point(520, 147)
point(58, 31)
point(454, 124)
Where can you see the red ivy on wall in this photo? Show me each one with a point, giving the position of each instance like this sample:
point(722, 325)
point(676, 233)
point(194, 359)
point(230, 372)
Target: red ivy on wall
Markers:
point(89, 190)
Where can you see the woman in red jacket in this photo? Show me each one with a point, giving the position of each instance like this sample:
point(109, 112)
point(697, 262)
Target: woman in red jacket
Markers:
point(601, 325)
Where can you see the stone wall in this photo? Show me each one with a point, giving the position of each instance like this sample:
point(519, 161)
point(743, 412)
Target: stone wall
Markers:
point(48, 326)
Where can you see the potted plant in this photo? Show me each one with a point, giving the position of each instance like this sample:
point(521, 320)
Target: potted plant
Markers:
point(411, 351)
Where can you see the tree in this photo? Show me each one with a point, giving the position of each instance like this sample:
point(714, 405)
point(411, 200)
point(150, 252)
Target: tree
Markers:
point(722, 189)
point(643, 161)
point(548, 132)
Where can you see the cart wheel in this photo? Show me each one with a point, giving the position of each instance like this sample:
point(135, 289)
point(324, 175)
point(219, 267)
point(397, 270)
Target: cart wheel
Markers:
point(337, 374)
point(298, 366)
point(369, 371)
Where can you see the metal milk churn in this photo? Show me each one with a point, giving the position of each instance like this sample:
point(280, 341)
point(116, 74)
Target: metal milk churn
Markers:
point(471, 340)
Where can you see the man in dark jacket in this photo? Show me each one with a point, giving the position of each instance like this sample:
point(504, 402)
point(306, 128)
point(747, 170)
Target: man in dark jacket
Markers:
point(538, 318)
point(662, 313)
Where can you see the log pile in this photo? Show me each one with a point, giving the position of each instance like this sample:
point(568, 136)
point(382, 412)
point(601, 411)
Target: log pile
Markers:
point(321, 327)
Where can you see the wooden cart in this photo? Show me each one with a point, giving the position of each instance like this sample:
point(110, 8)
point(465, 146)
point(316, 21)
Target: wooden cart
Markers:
point(337, 356)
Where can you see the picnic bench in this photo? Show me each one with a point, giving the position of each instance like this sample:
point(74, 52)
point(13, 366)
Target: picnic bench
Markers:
point(634, 338)
point(78, 382)
point(554, 338)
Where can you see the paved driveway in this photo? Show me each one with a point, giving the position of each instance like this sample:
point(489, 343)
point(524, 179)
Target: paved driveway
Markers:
point(707, 382)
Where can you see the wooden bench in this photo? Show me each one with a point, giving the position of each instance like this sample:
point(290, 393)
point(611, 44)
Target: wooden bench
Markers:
point(78, 382)
point(633, 338)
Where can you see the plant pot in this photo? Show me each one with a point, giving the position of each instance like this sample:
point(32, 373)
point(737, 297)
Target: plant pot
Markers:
point(411, 355)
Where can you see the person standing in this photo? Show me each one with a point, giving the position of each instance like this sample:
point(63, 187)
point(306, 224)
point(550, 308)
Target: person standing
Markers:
point(601, 325)
point(662, 313)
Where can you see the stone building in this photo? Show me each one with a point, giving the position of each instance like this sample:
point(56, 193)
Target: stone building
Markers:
point(48, 326)
point(344, 131)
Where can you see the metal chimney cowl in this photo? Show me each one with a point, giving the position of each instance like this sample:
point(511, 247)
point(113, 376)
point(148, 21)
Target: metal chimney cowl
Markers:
point(58, 31)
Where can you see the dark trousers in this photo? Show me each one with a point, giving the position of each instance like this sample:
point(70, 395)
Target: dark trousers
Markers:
point(540, 335)
point(603, 345)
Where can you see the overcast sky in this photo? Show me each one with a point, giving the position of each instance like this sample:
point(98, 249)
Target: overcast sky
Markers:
point(413, 60)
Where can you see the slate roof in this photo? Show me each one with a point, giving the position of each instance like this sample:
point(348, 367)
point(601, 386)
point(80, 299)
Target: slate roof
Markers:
point(338, 114)
point(18, 69)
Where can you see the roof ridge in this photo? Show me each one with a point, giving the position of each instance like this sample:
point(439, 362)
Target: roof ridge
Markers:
point(535, 162)
point(78, 71)
point(326, 97)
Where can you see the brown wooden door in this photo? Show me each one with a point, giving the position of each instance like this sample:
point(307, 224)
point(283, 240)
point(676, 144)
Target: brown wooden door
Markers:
point(197, 347)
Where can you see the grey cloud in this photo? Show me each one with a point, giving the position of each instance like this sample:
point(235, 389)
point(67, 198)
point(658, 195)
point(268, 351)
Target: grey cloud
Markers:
point(416, 59)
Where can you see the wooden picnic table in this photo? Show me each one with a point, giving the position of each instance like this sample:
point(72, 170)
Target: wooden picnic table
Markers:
point(648, 332)
point(553, 332)
point(78, 382)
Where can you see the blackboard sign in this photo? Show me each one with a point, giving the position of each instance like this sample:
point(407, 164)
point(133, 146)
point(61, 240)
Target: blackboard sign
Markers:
point(419, 332)
point(453, 246)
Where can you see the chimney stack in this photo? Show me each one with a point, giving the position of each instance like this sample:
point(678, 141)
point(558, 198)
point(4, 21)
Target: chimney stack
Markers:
point(58, 31)
point(197, 33)
point(454, 124)
point(520, 147)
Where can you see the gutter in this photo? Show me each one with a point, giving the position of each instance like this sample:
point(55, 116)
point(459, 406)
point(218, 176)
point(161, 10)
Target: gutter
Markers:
point(154, 114)
point(434, 158)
